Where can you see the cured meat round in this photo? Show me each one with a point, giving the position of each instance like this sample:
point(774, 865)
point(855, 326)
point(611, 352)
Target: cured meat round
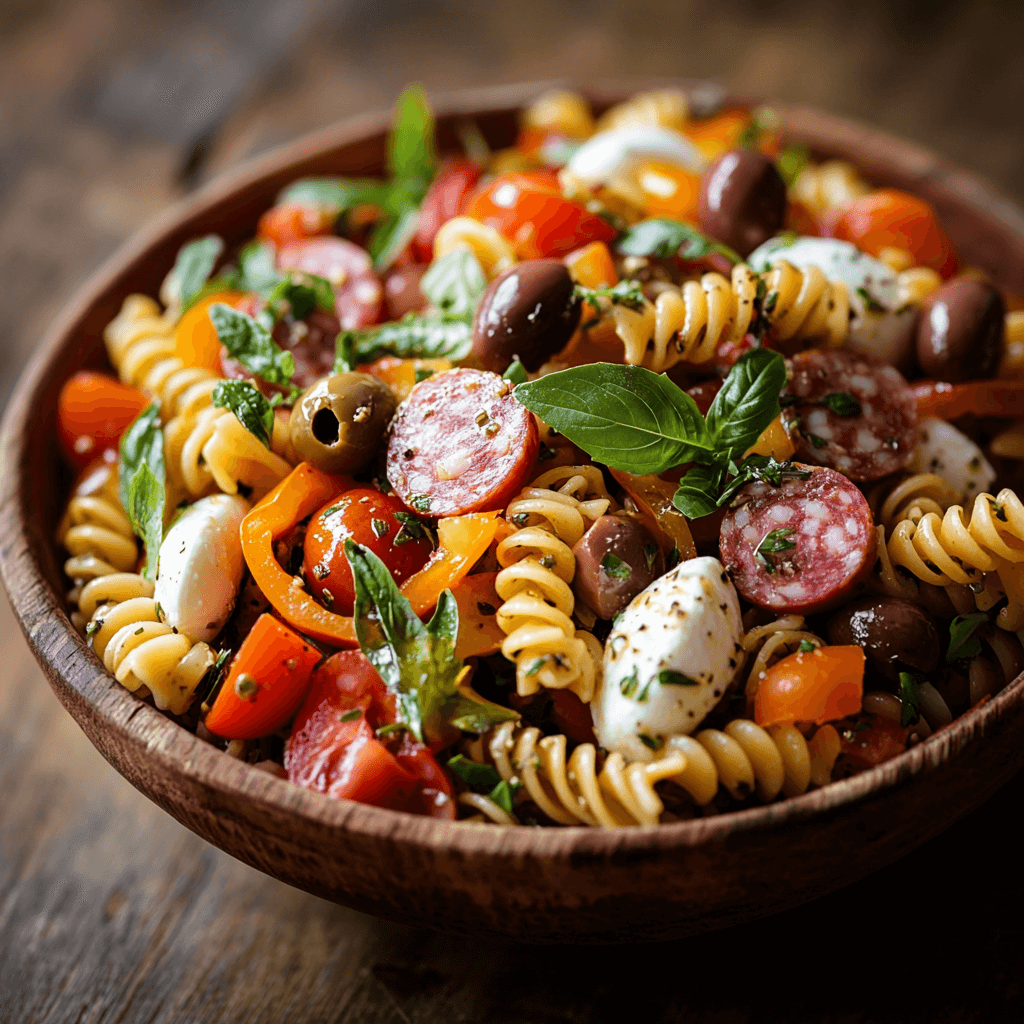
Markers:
point(850, 414)
point(358, 293)
point(461, 443)
point(801, 547)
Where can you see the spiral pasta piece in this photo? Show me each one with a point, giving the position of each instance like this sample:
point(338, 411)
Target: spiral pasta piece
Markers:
point(664, 108)
point(534, 583)
point(579, 790)
point(560, 111)
point(804, 305)
point(829, 186)
point(984, 551)
point(493, 252)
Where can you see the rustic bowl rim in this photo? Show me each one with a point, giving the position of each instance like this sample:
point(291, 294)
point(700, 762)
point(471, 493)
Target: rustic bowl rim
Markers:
point(172, 748)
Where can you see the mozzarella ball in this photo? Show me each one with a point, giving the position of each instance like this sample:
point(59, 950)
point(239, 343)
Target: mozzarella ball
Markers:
point(611, 154)
point(951, 454)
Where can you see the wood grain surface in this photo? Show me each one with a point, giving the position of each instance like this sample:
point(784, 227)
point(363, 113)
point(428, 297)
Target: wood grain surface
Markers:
point(110, 911)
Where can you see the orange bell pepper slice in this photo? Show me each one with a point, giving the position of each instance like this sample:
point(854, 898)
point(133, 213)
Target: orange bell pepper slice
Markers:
point(401, 375)
point(479, 633)
point(592, 266)
point(818, 686)
point(195, 338)
point(653, 497)
point(977, 397)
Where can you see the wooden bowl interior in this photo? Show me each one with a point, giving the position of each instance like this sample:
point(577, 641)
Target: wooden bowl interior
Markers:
point(223, 799)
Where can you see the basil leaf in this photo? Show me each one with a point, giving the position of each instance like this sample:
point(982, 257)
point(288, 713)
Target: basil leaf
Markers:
point(516, 373)
point(476, 716)
point(615, 567)
point(411, 152)
point(437, 337)
point(257, 268)
point(623, 416)
point(791, 162)
point(194, 265)
point(747, 402)
point(455, 283)
point(345, 352)
point(664, 238)
point(335, 193)
point(626, 293)
point(503, 793)
point(962, 641)
point(842, 403)
point(391, 235)
point(250, 343)
point(697, 493)
point(909, 696)
point(476, 776)
point(141, 487)
point(253, 411)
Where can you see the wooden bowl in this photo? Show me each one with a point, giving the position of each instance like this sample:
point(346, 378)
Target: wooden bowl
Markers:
point(534, 884)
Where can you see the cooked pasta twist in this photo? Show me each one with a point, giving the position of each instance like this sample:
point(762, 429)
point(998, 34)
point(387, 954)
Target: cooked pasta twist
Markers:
point(829, 186)
point(916, 284)
point(745, 758)
point(578, 789)
point(983, 551)
point(141, 346)
point(688, 323)
point(493, 252)
point(560, 111)
point(665, 108)
point(534, 583)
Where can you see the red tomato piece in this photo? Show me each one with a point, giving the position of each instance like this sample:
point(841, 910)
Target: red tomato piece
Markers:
point(888, 218)
point(378, 521)
point(358, 294)
point(461, 443)
point(93, 411)
point(445, 199)
point(334, 749)
point(819, 686)
point(268, 679)
point(1002, 398)
point(288, 223)
point(529, 210)
point(881, 741)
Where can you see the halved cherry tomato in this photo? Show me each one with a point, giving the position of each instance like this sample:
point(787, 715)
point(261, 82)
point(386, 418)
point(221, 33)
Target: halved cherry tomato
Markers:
point(819, 686)
point(881, 741)
point(283, 224)
point(195, 338)
point(1003, 398)
point(890, 219)
point(669, 190)
point(334, 748)
point(529, 210)
point(445, 199)
point(269, 677)
point(93, 411)
point(381, 523)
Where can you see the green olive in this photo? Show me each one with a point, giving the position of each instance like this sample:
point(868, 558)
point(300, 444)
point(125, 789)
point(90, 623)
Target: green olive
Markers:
point(339, 423)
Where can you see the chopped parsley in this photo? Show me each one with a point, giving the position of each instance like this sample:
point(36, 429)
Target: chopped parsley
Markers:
point(669, 677)
point(910, 685)
point(842, 403)
point(775, 543)
point(615, 567)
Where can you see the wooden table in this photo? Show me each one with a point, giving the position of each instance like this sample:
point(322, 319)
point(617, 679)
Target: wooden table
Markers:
point(109, 910)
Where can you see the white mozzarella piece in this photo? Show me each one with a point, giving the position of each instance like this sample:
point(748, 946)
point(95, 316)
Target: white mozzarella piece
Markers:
point(201, 565)
point(885, 334)
point(614, 153)
point(951, 454)
point(688, 623)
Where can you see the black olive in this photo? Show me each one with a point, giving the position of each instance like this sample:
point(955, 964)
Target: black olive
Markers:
point(615, 559)
point(529, 311)
point(339, 423)
point(742, 200)
point(960, 331)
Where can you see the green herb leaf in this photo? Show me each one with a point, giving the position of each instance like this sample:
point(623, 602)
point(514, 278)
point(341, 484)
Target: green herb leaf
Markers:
point(651, 742)
point(503, 794)
point(194, 265)
point(871, 304)
point(962, 641)
point(141, 477)
point(481, 777)
point(352, 715)
point(251, 344)
point(626, 293)
point(257, 268)
point(345, 359)
point(411, 152)
point(791, 162)
point(909, 696)
point(807, 647)
point(254, 412)
point(628, 684)
point(842, 403)
point(763, 468)
point(664, 238)
point(391, 236)
point(415, 336)
point(747, 401)
point(336, 194)
point(697, 493)
point(774, 543)
point(516, 373)
point(668, 677)
point(455, 283)
point(650, 553)
point(623, 416)
point(615, 567)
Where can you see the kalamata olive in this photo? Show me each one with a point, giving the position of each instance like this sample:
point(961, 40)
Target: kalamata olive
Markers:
point(960, 331)
point(529, 311)
point(896, 635)
point(742, 200)
point(402, 291)
point(615, 559)
point(339, 423)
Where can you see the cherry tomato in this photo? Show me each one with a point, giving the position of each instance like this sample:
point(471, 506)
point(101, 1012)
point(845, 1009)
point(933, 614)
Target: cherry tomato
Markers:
point(881, 741)
point(445, 199)
point(887, 218)
point(819, 686)
point(381, 523)
point(283, 224)
point(529, 210)
point(93, 411)
point(358, 295)
point(334, 748)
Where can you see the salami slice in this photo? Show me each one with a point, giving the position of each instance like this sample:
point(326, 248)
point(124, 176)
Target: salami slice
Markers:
point(801, 547)
point(460, 443)
point(358, 294)
point(850, 414)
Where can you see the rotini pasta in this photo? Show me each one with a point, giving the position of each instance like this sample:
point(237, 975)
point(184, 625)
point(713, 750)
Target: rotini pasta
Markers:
point(560, 111)
point(829, 186)
point(666, 108)
point(494, 253)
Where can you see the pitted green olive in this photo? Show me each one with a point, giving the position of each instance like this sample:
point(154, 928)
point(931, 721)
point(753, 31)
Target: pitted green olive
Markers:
point(339, 423)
